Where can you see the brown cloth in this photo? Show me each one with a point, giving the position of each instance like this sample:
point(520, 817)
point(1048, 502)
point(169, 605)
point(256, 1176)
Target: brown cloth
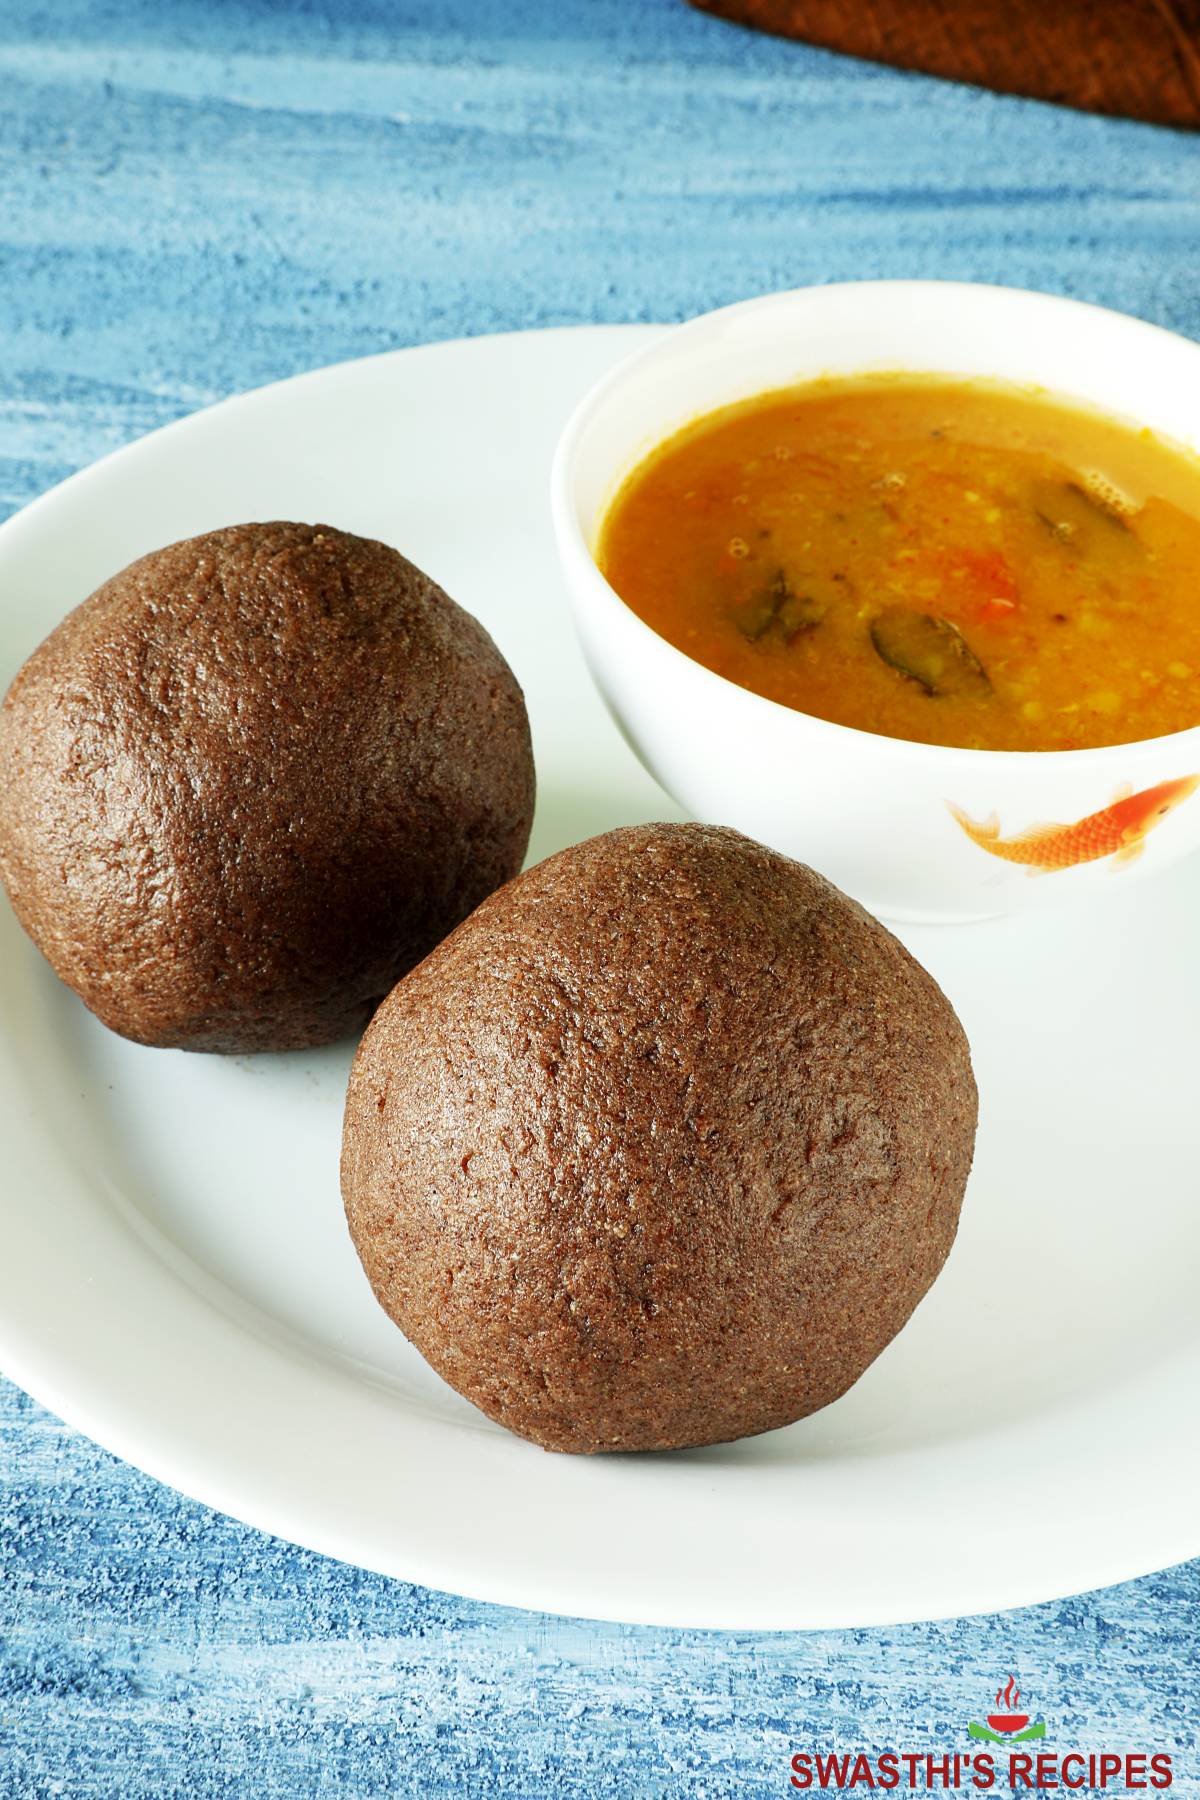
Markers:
point(1139, 59)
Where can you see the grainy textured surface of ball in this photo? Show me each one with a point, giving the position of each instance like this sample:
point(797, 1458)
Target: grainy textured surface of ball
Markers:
point(254, 779)
point(661, 1147)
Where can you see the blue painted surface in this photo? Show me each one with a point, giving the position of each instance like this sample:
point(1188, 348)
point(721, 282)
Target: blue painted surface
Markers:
point(209, 194)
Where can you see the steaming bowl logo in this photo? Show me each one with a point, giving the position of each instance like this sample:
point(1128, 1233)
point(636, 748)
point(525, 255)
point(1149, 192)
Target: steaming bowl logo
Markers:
point(1006, 1725)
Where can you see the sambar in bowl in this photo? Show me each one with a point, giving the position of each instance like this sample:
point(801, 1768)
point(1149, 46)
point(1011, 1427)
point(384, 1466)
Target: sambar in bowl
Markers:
point(897, 577)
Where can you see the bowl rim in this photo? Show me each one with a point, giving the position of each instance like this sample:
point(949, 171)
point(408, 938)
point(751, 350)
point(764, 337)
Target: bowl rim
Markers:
point(571, 538)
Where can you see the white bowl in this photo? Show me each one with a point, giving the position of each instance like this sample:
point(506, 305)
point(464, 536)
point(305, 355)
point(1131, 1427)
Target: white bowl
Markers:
point(875, 814)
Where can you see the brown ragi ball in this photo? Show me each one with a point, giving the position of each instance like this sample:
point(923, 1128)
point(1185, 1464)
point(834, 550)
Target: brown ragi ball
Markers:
point(661, 1147)
point(254, 779)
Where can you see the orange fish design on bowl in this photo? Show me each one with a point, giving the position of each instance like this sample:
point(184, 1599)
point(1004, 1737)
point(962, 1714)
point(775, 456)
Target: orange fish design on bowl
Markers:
point(1119, 830)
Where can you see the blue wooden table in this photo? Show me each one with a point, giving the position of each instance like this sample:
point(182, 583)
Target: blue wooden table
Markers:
point(204, 195)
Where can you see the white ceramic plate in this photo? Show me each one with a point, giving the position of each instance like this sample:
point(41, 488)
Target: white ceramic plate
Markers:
point(176, 1279)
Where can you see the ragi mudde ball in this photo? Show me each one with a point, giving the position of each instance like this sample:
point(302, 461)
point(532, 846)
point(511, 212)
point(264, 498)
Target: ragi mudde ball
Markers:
point(661, 1147)
point(254, 779)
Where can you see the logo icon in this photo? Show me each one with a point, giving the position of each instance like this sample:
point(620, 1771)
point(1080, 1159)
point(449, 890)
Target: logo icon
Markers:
point(1006, 1725)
